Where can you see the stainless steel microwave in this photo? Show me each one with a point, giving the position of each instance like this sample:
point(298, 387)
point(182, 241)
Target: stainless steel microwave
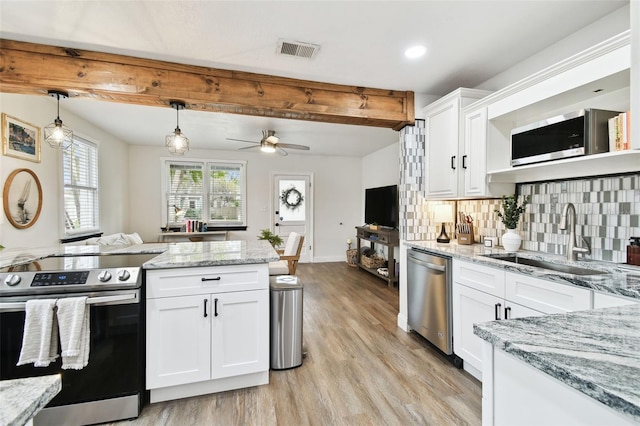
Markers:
point(574, 134)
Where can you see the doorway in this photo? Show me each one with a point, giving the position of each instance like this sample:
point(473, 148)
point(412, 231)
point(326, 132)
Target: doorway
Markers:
point(293, 209)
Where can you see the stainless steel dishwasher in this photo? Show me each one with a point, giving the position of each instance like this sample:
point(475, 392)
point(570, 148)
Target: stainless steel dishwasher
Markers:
point(429, 300)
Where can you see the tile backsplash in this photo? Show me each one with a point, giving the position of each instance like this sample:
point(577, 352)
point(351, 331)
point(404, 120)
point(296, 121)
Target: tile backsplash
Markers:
point(607, 214)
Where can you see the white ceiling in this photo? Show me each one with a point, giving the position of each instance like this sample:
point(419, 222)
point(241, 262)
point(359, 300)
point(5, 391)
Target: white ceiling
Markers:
point(362, 44)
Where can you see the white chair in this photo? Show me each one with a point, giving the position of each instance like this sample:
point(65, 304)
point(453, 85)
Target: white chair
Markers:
point(289, 257)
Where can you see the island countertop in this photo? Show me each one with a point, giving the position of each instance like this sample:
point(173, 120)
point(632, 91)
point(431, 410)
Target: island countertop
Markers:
point(21, 399)
point(596, 352)
point(213, 253)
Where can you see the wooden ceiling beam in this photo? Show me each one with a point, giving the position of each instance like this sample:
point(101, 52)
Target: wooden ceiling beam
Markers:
point(30, 68)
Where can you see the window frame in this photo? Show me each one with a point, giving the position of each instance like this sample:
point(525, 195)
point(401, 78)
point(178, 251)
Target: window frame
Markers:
point(79, 233)
point(206, 167)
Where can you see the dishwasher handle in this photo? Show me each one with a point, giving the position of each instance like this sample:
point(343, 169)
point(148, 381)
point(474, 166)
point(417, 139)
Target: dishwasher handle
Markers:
point(429, 265)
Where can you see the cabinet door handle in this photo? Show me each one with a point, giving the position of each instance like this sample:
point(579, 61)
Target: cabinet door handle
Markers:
point(211, 279)
point(464, 161)
point(497, 311)
point(453, 162)
point(215, 307)
point(205, 308)
point(507, 312)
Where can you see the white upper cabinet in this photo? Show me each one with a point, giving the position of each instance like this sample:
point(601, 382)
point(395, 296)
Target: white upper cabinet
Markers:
point(445, 157)
point(598, 77)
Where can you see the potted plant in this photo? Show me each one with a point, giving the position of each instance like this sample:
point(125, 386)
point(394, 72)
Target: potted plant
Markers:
point(510, 215)
point(274, 239)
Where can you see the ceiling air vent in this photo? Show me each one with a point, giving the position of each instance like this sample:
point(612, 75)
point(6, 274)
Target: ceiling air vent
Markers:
point(297, 48)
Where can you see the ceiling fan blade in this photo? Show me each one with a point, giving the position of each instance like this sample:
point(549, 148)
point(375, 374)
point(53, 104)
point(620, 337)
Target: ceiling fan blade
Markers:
point(281, 151)
point(249, 147)
point(241, 140)
point(293, 146)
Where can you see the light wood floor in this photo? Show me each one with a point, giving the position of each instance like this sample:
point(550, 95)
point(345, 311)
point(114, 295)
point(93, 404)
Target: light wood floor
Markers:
point(361, 369)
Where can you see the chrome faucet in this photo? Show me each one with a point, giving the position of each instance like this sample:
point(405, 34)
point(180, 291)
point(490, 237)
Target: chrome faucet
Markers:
point(568, 221)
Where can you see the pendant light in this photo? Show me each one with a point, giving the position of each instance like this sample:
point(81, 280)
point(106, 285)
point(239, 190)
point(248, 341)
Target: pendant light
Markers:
point(177, 143)
point(56, 134)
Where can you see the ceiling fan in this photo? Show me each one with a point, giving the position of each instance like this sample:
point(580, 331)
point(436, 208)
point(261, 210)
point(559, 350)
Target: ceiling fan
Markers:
point(271, 143)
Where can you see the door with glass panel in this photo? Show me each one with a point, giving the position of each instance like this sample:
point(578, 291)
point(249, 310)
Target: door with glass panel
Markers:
point(293, 209)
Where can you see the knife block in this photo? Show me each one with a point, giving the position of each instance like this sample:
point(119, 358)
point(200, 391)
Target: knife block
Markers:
point(466, 239)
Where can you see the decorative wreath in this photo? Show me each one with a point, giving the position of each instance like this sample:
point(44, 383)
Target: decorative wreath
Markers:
point(291, 198)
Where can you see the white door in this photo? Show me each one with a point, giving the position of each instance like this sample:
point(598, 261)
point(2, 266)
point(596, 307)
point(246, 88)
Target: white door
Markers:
point(240, 333)
point(178, 340)
point(293, 201)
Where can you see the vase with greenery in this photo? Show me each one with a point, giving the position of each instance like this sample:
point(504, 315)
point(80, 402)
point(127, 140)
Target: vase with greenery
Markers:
point(273, 239)
point(510, 216)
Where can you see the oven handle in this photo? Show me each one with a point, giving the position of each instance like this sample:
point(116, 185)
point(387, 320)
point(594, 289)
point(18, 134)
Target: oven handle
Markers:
point(90, 301)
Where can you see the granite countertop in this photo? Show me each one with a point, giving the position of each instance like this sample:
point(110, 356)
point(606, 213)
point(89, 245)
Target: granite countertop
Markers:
point(21, 399)
point(16, 256)
point(213, 253)
point(596, 352)
point(622, 280)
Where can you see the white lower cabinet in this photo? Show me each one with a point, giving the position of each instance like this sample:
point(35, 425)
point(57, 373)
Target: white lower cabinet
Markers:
point(211, 341)
point(178, 341)
point(543, 401)
point(470, 306)
point(481, 293)
point(602, 300)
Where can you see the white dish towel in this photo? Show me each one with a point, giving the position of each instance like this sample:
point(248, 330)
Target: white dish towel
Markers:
point(73, 321)
point(40, 338)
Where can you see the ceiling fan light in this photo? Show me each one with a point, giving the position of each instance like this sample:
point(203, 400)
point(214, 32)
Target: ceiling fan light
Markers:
point(272, 139)
point(56, 134)
point(267, 148)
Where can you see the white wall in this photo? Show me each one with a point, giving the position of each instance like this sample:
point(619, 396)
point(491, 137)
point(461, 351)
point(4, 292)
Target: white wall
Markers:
point(336, 191)
point(48, 229)
point(602, 29)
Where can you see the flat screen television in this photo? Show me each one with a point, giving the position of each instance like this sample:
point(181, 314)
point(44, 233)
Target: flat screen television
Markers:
point(381, 206)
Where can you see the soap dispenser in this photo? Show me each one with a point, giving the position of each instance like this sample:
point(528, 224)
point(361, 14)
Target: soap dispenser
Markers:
point(633, 251)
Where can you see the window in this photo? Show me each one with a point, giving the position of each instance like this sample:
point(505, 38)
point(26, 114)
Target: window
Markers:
point(211, 192)
point(80, 174)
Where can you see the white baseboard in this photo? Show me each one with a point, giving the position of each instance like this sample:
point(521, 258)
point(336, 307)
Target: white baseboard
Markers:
point(403, 323)
point(327, 259)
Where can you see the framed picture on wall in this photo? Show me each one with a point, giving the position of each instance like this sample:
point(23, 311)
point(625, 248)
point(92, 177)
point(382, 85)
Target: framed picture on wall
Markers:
point(22, 198)
point(20, 139)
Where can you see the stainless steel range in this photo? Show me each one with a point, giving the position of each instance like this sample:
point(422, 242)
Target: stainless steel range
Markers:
point(111, 386)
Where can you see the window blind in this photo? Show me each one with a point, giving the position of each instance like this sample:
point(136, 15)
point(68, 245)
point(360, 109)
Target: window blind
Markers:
point(226, 189)
point(80, 176)
point(213, 192)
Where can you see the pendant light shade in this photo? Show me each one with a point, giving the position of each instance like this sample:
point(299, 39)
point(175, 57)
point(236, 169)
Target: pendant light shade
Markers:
point(177, 143)
point(56, 134)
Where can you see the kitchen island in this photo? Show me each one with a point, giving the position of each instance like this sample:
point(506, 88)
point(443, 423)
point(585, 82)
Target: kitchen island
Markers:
point(574, 368)
point(207, 318)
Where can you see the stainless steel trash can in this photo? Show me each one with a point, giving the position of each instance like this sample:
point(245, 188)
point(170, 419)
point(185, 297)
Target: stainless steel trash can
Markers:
point(286, 321)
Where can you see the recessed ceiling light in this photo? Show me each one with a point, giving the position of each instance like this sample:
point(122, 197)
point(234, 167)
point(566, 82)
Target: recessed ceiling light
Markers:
point(415, 52)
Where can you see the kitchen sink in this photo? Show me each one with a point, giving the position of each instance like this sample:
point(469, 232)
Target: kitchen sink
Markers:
point(559, 267)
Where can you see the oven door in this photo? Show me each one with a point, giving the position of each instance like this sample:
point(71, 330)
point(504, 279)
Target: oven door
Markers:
point(114, 369)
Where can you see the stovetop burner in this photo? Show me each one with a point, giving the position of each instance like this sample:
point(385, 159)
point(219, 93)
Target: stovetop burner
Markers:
point(73, 274)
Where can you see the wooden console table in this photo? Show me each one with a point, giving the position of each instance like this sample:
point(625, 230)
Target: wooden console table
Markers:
point(386, 237)
point(193, 236)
